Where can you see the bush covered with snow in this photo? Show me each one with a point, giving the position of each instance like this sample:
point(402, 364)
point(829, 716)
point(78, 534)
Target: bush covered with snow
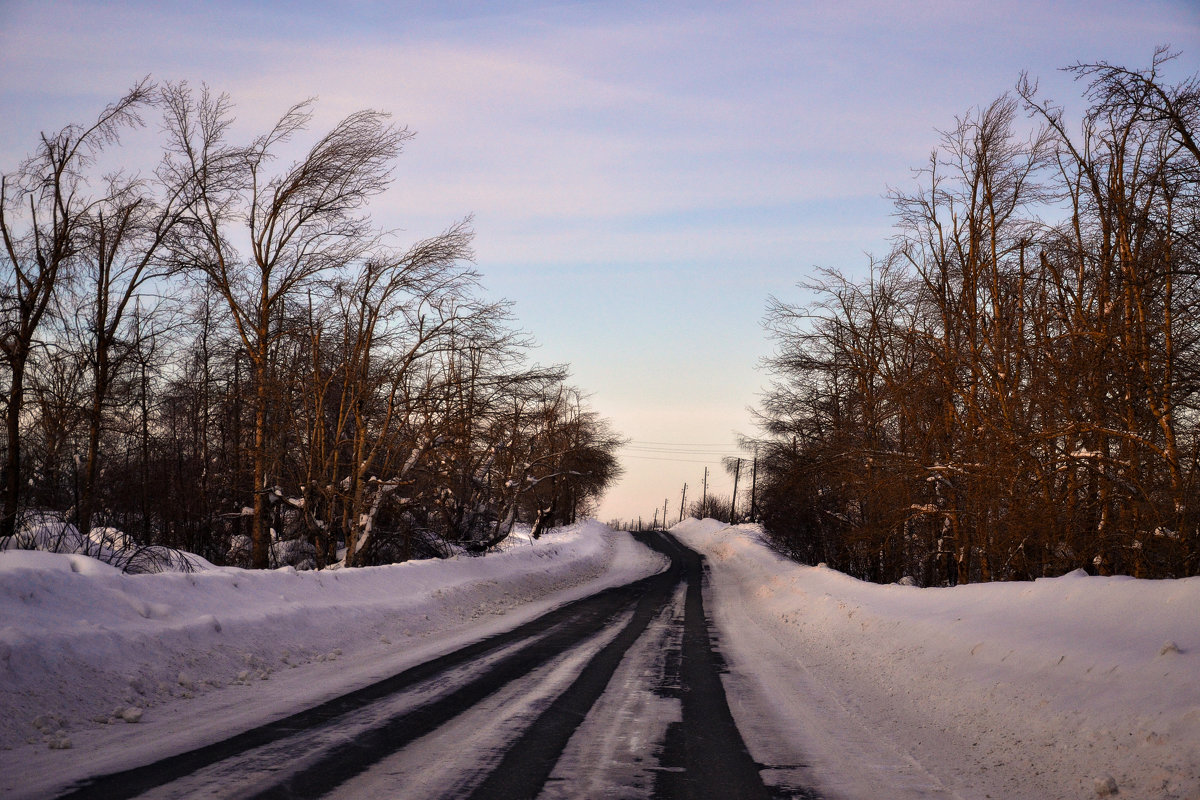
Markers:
point(49, 532)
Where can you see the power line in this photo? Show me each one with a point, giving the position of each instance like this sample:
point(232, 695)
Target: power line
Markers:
point(683, 444)
point(681, 448)
point(676, 452)
point(664, 451)
point(678, 460)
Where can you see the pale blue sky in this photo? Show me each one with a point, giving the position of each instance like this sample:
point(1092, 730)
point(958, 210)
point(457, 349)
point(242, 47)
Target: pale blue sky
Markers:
point(642, 175)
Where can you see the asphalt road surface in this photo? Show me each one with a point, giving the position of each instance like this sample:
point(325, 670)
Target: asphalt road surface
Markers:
point(615, 695)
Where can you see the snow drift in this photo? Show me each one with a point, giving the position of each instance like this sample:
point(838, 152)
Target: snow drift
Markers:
point(1064, 687)
point(83, 645)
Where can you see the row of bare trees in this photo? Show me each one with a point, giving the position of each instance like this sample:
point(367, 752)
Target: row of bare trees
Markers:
point(227, 356)
point(1012, 391)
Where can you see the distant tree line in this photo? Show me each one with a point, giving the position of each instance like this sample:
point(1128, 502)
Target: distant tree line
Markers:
point(226, 356)
point(1012, 390)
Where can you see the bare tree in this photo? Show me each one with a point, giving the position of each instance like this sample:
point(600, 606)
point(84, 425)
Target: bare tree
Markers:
point(120, 254)
point(1008, 394)
point(44, 211)
point(295, 224)
point(1129, 254)
point(393, 315)
point(310, 380)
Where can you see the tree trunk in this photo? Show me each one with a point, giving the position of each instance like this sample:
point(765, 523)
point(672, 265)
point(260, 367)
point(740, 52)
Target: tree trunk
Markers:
point(88, 490)
point(12, 466)
point(260, 539)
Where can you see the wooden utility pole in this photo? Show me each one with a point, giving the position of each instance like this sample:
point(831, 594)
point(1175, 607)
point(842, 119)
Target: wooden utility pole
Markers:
point(704, 494)
point(754, 489)
point(682, 500)
point(664, 513)
point(733, 503)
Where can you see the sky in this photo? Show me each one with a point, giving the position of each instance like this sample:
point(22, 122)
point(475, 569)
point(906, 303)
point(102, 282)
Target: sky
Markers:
point(642, 176)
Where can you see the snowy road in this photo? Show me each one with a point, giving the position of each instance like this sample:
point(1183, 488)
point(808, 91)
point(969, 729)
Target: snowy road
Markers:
point(1058, 688)
point(617, 694)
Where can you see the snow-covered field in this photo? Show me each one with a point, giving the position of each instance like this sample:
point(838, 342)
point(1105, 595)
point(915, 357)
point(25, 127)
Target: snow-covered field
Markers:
point(1071, 687)
point(85, 649)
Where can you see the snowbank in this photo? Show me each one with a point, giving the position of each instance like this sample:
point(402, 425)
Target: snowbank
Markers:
point(83, 645)
point(1064, 687)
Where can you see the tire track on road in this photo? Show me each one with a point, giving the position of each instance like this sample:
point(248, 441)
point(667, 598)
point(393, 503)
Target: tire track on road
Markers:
point(702, 755)
point(583, 616)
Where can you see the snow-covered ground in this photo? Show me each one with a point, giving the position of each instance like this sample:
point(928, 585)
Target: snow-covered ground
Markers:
point(190, 657)
point(1071, 687)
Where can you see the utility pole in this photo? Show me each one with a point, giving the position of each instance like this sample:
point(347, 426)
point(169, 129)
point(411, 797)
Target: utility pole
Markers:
point(733, 503)
point(704, 494)
point(754, 488)
point(664, 513)
point(654, 525)
point(682, 500)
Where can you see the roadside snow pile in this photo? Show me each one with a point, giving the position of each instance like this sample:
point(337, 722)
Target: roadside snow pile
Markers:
point(1074, 687)
point(82, 644)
